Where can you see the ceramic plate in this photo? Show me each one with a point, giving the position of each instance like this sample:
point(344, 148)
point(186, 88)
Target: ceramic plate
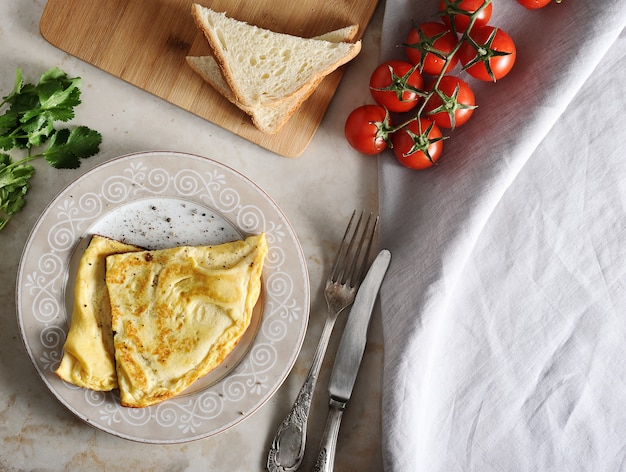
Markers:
point(157, 200)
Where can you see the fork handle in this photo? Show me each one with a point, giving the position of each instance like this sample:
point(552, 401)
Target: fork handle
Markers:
point(288, 445)
point(326, 458)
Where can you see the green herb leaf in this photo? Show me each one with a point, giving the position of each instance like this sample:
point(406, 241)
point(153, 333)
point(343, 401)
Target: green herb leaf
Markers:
point(57, 98)
point(7, 142)
point(68, 147)
point(19, 81)
point(14, 183)
point(28, 122)
point(38, 129)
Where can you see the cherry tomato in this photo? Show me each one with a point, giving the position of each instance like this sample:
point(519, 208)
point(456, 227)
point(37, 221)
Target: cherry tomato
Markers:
point(396, 85)
point(462, 11)
point(534, 4)
point(418, 146)
point(452, 104)
point(428, 44)
point(493, 55)
point(367, 128)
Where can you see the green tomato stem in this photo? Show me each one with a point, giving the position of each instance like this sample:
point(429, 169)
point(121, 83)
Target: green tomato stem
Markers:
point(448, 57)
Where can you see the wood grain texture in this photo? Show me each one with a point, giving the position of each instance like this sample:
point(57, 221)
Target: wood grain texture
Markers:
point(145, 42)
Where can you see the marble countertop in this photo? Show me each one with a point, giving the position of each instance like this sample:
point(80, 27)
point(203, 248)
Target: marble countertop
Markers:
point(316, 191)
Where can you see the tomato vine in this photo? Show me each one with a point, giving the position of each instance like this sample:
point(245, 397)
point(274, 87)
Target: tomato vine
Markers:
point(460, 33)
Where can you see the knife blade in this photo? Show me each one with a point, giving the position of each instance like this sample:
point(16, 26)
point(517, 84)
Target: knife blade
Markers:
point(349, 356)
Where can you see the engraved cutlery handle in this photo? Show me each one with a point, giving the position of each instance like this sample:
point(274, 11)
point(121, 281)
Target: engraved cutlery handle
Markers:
point(326, 459)
point(287, 450)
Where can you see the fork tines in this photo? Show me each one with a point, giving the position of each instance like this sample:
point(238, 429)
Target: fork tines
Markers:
point(354, 251)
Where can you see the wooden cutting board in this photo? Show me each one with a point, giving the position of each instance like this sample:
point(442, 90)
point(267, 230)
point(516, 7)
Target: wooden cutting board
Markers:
point(144, 42)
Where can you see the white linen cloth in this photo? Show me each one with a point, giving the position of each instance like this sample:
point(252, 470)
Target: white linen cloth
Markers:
point(504, 309)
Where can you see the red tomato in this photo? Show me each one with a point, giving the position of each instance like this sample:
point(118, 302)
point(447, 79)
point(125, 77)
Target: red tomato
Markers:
point(367, 128)
point(429, 44)
point(534, 4)
point(493, 55)
point(461, 12)
point(396, 85)
point(418, 146)
point(452, 104)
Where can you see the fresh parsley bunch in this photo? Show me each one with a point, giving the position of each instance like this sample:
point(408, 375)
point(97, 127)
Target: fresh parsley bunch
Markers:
point(28, 123)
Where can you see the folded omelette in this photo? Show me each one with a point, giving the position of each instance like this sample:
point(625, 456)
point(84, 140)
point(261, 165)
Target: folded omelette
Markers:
point(88, 355)
point(153, 322)
point(177, 313)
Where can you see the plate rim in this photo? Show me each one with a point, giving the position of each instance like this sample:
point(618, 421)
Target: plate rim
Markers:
point(305, 281)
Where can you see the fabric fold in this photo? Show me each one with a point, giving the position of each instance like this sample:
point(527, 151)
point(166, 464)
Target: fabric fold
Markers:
point(433, 220)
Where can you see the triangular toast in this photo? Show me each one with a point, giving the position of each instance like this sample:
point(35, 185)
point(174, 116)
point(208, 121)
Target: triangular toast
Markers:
point(262, 67)
point(268, 119)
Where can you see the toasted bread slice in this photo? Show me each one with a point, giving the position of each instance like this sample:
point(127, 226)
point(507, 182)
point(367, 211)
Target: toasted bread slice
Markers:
point(262, 67)
point(178, 312)
point(268, 119)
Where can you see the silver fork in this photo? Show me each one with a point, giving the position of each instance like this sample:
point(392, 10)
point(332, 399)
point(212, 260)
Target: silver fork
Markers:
point(287, 450)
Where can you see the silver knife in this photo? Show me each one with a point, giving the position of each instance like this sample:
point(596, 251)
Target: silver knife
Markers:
point(348, 358)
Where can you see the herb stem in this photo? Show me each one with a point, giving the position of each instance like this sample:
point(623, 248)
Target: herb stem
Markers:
point(29, 124)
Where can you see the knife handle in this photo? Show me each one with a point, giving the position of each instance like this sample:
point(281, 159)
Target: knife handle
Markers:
point(288, 446)
point(326, 458)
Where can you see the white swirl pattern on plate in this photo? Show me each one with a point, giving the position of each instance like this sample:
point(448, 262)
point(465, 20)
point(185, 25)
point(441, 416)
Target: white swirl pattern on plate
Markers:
point(44, 278)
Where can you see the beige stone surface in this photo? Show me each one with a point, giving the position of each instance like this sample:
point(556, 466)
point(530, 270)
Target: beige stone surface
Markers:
point(317, 192)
